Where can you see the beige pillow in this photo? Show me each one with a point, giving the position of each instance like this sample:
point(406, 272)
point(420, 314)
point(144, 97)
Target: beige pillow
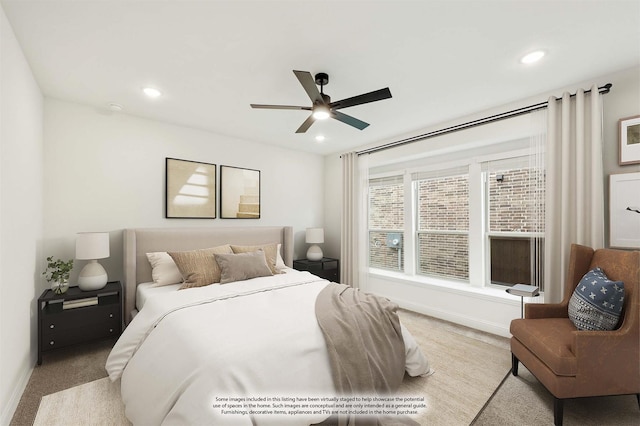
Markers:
point(164, 270)
point(270, 253)
point(242, 266)
point(198, 267)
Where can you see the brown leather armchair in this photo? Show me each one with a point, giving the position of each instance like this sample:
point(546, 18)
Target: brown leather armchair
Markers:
point(573, 363)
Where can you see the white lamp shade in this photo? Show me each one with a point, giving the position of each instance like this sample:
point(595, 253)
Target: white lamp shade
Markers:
point(314, 235)
point(92, 245)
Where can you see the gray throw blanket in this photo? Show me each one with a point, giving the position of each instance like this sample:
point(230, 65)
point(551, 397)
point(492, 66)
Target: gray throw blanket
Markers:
point(366, 349)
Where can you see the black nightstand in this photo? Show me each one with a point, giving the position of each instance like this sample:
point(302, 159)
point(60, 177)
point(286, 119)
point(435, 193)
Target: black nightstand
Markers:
point(78, 316)
point(327, 268)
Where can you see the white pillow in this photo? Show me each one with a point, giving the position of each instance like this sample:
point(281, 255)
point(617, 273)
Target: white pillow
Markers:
point(279, 261)
point(163, 269)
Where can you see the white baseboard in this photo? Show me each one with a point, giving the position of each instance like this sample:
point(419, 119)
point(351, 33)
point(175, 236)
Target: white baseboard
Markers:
point(456, 318)
point(10, 407)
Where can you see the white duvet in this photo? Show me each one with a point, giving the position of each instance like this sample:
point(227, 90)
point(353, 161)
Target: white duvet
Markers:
point(187, 351)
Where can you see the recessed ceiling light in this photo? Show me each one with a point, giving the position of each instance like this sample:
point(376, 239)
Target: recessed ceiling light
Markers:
point(532, 57)
point(152, 92)
point(320, 138)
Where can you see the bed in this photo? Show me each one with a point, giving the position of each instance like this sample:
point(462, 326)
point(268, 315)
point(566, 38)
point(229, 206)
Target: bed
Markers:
point(221, 353)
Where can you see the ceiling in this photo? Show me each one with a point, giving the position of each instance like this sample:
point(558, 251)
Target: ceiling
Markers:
point(211, 59)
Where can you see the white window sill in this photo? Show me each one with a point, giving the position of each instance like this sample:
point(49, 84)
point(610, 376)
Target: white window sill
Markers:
point(491, 293)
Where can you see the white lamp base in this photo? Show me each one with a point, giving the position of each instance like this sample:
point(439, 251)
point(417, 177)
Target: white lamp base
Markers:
point(314, 253)
point(92, 276)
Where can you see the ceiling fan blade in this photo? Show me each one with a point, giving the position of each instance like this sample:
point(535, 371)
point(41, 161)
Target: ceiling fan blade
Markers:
point(347, 119)
point(307, 123)
point(376, 95)
point(280, 107)
point(309, 85)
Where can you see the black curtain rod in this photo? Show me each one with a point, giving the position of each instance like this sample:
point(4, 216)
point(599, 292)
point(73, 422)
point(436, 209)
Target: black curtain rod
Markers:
point(497, 117)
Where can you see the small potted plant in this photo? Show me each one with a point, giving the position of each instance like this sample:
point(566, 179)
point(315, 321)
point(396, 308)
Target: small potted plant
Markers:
point(57, 274)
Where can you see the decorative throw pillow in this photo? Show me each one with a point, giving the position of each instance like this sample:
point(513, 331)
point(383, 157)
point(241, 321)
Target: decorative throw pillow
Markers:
point(242, 266)
point(596, 303)
point(279, 260)
point(270, 253)
point(164, 270)
point(198, 267)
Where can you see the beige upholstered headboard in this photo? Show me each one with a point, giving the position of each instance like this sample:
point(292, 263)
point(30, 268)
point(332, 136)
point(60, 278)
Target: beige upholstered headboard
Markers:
point(138, 242)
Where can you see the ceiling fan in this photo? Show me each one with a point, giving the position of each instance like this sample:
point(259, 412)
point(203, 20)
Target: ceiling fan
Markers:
point(322, 107)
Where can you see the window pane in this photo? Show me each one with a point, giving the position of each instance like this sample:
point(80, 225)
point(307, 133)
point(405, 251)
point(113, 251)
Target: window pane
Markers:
point(516, 200)
point(445, 255)
point(444, 203)
point(383, 254)
point(513, 260)
point(386, 216)
point(386, 206)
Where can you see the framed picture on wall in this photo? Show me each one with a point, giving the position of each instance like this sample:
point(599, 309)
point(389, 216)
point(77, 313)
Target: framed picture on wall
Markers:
point(624, 210)
point(190, 189)
point(629, 135)
point(239, 193)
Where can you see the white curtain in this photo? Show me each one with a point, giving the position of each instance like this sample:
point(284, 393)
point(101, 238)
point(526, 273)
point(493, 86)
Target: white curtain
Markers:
point(575, 183)
point(354, 242)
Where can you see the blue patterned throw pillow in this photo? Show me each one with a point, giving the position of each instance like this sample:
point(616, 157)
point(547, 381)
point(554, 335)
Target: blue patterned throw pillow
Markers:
point(596, 303)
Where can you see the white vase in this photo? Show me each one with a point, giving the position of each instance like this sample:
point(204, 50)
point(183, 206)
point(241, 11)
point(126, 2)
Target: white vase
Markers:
point(60, 286)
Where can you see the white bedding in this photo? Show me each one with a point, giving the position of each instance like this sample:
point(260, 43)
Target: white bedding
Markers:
point(146, 290)
point(258, 337)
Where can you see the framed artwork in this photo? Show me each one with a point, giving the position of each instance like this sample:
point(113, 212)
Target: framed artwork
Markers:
point(239, 193)
point(629, 135)
point(190, 189)
point(624, 210)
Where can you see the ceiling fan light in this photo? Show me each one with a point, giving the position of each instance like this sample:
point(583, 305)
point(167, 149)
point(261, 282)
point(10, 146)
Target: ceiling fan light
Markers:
point(321, 112)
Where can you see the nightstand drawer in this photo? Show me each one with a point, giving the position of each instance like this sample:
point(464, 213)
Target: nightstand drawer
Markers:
point(53, 339)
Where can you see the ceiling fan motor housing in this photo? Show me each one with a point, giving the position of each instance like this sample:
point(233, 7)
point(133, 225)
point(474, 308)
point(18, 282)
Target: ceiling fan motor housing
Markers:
point(322, 79)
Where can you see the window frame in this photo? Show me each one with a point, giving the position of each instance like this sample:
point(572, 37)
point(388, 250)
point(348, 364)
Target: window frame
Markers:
point(478, 232)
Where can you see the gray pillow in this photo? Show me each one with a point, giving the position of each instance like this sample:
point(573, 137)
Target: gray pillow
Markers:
point(242, 266)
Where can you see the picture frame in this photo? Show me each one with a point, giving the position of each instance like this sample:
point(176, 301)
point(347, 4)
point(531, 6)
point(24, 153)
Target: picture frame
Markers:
point(190, 189)
point(239, 193)
point(624, 210)
point(629, 137)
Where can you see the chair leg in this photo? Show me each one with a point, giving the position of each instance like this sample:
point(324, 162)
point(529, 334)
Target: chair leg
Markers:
point(514, 365)
point(558, 407)
point(638, 397)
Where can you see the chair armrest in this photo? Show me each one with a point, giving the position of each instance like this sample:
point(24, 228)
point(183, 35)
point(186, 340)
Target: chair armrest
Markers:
point(545, 310)
point(607, 357)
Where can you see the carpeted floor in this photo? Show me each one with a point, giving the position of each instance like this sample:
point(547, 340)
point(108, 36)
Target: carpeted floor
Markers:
point(61, 370)
point(523, 401)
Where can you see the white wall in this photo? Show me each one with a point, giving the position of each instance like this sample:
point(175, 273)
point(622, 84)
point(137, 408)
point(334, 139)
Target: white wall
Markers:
point(105, 172)
point(20, 218)
point(490, 312)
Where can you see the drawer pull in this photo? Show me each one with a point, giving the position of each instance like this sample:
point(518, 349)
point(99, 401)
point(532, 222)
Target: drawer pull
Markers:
point(111, 330)
point(52, 343)
point(110, 315)
point(52, 326)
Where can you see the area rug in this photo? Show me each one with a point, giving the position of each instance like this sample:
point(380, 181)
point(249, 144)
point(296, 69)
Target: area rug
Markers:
point(469, 366)
point(95, 403)
point(523, 401)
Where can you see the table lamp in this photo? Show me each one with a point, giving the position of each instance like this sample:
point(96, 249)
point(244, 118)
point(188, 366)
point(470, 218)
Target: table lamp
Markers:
point(92, 246)
point(314, 236)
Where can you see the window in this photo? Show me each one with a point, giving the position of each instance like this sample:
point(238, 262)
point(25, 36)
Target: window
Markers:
point(515, 201)
point(386, 223)
point(477, 222)
point(443, 223)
